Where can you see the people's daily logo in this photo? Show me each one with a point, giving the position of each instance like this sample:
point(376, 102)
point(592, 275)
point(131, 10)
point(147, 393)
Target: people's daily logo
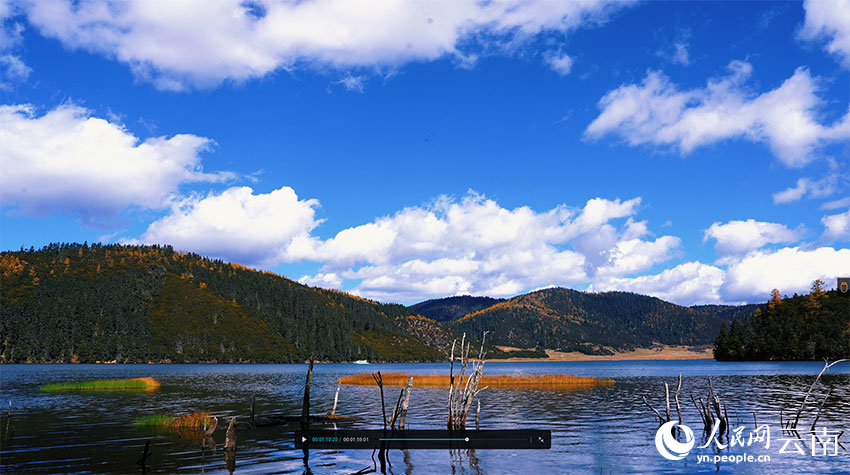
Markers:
point(668, 446)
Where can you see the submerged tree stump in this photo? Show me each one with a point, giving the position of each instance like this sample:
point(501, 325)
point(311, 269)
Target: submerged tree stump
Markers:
point(209, 431)
point(230, 436)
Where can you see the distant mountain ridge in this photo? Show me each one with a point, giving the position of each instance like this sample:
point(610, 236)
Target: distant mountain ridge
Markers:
point(453, 308)
point(571, 320)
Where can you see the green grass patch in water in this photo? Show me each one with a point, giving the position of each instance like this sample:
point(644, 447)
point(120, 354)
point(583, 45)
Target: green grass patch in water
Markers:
point(132, 384)
point(155, 420)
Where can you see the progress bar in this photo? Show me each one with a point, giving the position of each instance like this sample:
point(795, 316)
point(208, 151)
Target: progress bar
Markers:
point(423, 439)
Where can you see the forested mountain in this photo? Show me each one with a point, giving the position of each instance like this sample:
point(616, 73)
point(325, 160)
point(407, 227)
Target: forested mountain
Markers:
point(802, 327)
point(728, 312)
point(452, 308)
point(75, 302)
point(87, 303)
point(570, 320)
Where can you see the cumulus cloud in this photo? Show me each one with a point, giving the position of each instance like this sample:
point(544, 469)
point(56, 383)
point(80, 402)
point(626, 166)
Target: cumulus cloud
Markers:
point(657, 112)
point(749, 279)
point(201, 42)
point(829, 20)
point(686, 284)
point(790, 269)
point(68, 160)
point(737, 237)
point(237, 225)
point(329, 280)
point(837, 226)
point(475, 246)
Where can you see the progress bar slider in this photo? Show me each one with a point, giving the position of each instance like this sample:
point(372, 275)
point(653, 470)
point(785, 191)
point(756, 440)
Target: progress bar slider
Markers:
point(423, 439)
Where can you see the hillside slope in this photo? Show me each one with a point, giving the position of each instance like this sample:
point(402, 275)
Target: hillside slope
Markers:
point(570, 320)
point(75, 302)
point(452, 308)
point(81, 303)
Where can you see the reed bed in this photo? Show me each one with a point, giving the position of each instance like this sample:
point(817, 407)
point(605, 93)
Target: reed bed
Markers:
point(196, 421)
point(544, 381)
point(132, 384)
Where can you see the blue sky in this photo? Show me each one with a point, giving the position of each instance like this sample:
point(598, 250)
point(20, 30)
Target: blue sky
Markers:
point(696, 151)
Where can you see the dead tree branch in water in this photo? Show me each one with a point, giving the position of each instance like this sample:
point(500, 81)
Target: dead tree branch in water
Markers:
point(678, 390)
point(305, 407)
point(382, 452)
point(714, 402)
point(305, 411)
point(405, 403)
point(230, 436)
point(658, 414)
point(461, 399)
point(336, 398)
point(142, 462)
point(710, 413)
point(826, 366)
point(828, 392)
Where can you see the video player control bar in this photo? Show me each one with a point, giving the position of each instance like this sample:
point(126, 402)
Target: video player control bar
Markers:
point(423, 439)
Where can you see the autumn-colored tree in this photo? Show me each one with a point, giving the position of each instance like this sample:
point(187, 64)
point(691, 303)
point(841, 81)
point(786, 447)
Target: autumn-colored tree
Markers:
point(817, 292)
point(775, 299)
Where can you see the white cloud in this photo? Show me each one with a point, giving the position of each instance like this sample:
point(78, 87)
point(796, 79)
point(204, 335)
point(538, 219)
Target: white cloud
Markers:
point(658, 112)
point(792, 193)
point(634, 255)
point(475, 246)
point(353, 83)
point(839, 203)
point(559, 62)
point(737, 237)
point(836, 179)
point(789, 269)
point(686, 284)
point(830, 20)
point(326, 281)
point(203, 42)
point(68, 160)
point(237, 225)
point(680, 54)
point(13, 70)
point(837, 227)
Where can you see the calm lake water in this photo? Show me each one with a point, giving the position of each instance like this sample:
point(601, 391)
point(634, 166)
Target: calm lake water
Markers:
point(600, 430)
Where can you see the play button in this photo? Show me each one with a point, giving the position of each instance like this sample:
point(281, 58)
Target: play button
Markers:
point(303, 439)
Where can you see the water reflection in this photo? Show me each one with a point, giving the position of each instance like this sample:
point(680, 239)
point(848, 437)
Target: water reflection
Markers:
point(603, 429)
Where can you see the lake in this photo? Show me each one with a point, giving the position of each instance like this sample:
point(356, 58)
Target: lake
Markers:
point(605, 429)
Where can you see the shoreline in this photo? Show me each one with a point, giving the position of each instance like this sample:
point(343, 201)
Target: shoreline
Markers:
point(657, 353)
point(665, 352)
